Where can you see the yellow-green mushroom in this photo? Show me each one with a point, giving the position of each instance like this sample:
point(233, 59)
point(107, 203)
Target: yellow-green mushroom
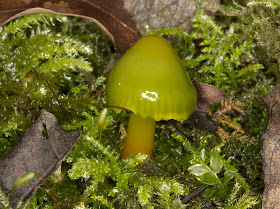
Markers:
point(150, 81)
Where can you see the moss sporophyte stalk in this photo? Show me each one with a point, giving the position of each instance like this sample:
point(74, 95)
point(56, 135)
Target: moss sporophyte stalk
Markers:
point(150, 81)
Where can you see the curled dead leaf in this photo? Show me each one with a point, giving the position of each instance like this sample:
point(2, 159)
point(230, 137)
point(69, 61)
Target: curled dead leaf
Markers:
point(206, 95)
point(109, 15)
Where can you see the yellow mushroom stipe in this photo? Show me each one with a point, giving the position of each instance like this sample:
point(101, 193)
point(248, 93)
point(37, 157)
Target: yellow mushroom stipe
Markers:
point(140, 136)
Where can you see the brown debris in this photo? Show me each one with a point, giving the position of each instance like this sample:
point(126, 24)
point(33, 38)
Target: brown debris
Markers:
point(220, 117)
point(206, 95)
point(42, 147)
point(109, 15)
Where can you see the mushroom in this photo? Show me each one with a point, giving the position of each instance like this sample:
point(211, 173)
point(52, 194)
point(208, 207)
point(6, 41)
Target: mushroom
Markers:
point(150, 81)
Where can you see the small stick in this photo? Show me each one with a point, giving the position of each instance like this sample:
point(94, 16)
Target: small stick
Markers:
point(49, 85)
point(49, 190)
point(52, 90)
point(194, 193)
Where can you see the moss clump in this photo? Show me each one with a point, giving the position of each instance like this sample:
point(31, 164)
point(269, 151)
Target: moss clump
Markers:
point(64, 50)
point(44, 42)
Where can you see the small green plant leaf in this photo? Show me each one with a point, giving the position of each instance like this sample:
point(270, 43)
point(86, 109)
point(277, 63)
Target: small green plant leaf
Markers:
point(24, 179)
point(202, 155)
point(28, 79)
point(199, 169)
point(228, 175)
point(209, 192)
point(216, 162)
point(101, 119)
point(222, 193)
point(204, 174)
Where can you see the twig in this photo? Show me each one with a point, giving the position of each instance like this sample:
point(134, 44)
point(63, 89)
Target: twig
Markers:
point(194, 193)
point(49, 190)
point(179, 129)
point(54, 94)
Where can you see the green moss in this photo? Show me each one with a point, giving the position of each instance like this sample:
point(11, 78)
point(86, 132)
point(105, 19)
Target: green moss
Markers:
point(215, 55)
point(44, 42)
point(72, 54)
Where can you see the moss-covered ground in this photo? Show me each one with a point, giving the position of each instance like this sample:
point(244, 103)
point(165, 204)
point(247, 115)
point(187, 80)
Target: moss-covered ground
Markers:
point(236, 50)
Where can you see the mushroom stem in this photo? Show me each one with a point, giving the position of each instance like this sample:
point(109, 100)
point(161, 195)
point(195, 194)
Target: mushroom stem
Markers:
point(140, 136)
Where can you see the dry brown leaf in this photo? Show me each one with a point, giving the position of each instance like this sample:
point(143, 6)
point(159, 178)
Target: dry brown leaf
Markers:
point(206, 95)
point(109, 15)
point(42, 147)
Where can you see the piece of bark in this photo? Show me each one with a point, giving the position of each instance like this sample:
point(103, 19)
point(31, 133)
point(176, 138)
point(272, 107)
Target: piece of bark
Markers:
point(206, 95)
point(109, 15)
point(271, 151)
point(42, 147)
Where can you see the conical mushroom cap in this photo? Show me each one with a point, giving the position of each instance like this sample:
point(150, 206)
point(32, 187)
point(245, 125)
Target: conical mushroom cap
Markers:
point(150, 80)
